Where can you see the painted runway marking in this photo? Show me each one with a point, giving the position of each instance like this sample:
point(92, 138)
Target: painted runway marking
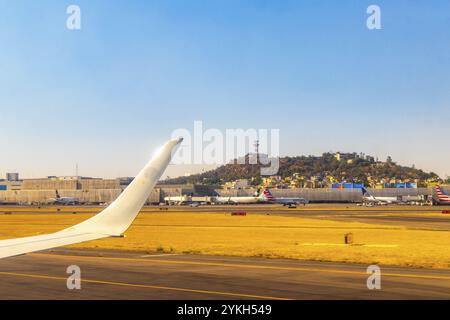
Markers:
point(246, 266)
point(351, 245)
point(124, 284)
point(159, 255)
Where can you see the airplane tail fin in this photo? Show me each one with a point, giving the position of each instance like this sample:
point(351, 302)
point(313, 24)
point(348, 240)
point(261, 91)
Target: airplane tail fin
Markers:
point(119, 215)
point(267, 195)
point(365, 192)
point(57, 194)
point(442, 196)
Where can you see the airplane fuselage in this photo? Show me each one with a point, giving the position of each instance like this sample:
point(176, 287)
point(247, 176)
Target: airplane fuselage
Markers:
point(66, 201)
point(288, 201)
point(381, 199)
point(238, 200)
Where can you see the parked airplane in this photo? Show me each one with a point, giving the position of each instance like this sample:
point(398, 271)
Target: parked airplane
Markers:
point(193, 201)
point(64, 200)
point(284, 201)
point(371, 200)
point(113, 221)
point(256, 198)
point(442, 198)
point(176, 200)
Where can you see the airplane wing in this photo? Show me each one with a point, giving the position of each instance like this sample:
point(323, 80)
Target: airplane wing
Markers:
point(14, 247)
point(111, 222)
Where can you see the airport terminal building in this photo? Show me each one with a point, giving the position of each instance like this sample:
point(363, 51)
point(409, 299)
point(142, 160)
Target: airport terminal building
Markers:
point(98, 191)
point(88, 190)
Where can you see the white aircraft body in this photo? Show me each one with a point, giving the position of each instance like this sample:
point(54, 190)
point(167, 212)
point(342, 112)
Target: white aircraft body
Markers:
point(257, 198)
point(64, 200)
point(176, 200)
point(284, 201)
point(370, 199)
point(113, 221)
point(187, 200)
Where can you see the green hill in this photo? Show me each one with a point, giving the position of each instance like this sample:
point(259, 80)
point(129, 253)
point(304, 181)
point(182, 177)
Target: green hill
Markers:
point(351, 167)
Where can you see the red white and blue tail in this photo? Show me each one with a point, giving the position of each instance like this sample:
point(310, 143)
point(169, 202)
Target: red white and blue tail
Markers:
point(442, 197)
point(268, 195)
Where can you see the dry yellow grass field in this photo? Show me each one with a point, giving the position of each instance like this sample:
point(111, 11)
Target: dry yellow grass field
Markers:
point(256, 235)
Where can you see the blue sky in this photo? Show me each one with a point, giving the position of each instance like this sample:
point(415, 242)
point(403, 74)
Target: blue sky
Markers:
point(107, 95)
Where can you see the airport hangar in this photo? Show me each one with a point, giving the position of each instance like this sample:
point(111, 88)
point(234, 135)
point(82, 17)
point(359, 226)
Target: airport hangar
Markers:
point(98, 191)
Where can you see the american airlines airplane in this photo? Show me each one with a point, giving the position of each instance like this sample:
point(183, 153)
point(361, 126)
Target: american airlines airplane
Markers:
point(257, 198)
point(284, 201)
point(442, 198)
point(113, 221)
point(64, 200)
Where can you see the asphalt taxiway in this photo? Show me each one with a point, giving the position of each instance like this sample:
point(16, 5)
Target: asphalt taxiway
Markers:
point(417, 217)
point(120, 275)
point(125, 275)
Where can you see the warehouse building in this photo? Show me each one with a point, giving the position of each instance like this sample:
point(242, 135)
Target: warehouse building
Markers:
point(88, 190)
point(12, 176)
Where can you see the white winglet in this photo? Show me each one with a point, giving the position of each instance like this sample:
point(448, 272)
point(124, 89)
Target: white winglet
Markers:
point(113, 221)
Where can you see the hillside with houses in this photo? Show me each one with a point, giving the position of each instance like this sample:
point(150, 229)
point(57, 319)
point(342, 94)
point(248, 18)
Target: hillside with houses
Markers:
point(327, 170)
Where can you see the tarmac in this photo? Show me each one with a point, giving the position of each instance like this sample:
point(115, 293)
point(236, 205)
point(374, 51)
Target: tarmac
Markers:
point(120, 275)
point(132, 275)
point(418, 217)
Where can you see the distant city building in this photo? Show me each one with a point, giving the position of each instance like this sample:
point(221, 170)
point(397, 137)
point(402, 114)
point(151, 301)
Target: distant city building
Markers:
point(401, 185)
point(237, 184)
point(12, 176)
point(347, 185)
point(241, 184)
point(337, 155)
point(10, 185)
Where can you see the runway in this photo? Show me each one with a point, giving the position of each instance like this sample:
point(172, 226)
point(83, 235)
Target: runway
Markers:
point(119, 275)
point(417, 217)
point(134, 275)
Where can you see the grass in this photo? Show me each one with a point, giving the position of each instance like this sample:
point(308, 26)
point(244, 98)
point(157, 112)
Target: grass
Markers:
point(256, 235)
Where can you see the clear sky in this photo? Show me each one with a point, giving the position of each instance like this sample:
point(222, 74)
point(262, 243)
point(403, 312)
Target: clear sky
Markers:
point(107, 95)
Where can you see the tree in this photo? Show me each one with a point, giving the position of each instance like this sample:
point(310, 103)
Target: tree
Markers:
point(256, 181)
